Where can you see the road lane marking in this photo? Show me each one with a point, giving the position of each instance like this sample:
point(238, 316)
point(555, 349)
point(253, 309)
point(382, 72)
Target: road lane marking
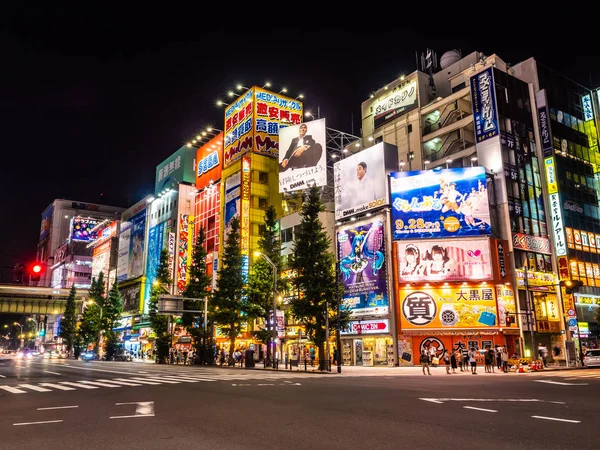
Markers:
point(53, 373)
point(73, 383)
point(442, 400)
point(57, 407)
point(13, 390)
point(183, 379)
point(36, 423)
point(481, 409)
point(98, 383)
point(558, 403)
point(160, 380)
point(35, 388)
point(95, 370)
point(143, 409)
point(57, 386)
point(135, 380)
point(562, 383)
point(124, 383)
point(556, 419)
point(2, 376)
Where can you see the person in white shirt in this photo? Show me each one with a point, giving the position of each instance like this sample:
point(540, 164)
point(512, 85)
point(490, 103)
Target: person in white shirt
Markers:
point(364, 191)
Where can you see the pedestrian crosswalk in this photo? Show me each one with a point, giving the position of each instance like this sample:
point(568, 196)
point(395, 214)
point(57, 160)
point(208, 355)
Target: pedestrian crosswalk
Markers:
point(592, 373)
point(156, 379)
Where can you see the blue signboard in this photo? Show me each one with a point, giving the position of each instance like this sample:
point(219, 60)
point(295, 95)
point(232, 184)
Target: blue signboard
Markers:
point(156, 242)
point(440, 203)
point(483, 97)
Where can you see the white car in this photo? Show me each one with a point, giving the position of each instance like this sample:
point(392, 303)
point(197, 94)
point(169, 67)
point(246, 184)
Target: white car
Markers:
point(591, 358)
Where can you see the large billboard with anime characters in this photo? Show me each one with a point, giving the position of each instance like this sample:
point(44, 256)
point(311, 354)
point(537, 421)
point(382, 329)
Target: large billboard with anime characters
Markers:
point(463, 307)
point(440, 203)
point(361, 255)
point(444, 260)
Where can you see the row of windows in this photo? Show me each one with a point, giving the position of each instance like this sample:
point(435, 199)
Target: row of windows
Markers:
point(166, 208)
point(287, 234)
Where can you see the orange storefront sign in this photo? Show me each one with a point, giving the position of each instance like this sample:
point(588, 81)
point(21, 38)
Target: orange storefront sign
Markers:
point(209, 162)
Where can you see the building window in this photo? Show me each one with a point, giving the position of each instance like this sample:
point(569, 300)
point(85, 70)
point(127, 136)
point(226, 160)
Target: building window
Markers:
point(286, 235)
point(263, 177)
point(263, 203)
point(262, 228)
point(297, 229)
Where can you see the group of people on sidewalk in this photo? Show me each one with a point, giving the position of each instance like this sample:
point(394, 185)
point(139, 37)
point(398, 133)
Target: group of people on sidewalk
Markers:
point(464, 360)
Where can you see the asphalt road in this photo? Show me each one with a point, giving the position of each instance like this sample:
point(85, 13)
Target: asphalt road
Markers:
point(51, 404)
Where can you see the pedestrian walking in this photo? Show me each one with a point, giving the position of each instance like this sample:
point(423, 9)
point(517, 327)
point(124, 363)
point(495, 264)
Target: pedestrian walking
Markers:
point(447, 361)
point(543, 354)
point(499, 357)
point(504, 357)
point(472, 361)
point(424, 360)
point(453, 362)
point(433, 355)
point(222, 357)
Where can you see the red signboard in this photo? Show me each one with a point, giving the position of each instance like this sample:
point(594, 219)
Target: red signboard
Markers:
point(209, 162)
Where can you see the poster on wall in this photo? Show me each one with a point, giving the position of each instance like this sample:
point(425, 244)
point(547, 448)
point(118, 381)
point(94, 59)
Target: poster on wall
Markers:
point(46, 222)
point(82, 229)
point(232, 200)
point(302, 156)
point(361, 255)
point(452, 307)
point(184, 250)
point(440, 203)
point(483, 99)
point(401, 100)
point(136, 245)
point(361, 180)
point(444, 260)
point(157, 240)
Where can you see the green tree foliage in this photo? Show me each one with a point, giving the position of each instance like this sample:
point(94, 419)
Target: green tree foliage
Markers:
point(227, 305)
point(111, 314)
point(68, 324)
point(260, 280)
point(315, 279)
point(160, 323)
point(198, 287)
point(90, 324)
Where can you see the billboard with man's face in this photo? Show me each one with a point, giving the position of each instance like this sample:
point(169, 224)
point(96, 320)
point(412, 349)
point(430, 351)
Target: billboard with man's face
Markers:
point(361, 180)
point(302, 156)
point(440, 203)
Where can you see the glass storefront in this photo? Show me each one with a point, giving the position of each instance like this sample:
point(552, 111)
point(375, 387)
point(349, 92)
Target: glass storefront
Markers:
point(368, 351)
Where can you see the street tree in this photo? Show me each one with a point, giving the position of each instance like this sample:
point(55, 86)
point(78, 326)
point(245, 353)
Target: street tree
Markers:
point(160, 323)
point(314, 265)
point(112, 313)
point(68, 323)
point(227, 303)
point(260, 281)
point(198, 287)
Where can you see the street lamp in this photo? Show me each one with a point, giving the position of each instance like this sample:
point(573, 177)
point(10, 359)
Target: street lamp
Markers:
point(22, 335)
point(274, 267)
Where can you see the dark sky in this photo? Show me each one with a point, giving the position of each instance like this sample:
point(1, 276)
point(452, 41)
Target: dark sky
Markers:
point(92, 101)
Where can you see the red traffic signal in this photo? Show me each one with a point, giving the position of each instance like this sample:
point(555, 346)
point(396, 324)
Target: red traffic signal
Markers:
point(35, 270)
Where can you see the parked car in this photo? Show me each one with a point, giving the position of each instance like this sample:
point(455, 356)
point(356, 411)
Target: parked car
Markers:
point(591, 358)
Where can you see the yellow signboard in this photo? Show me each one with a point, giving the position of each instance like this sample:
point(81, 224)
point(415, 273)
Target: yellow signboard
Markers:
point(452, 307)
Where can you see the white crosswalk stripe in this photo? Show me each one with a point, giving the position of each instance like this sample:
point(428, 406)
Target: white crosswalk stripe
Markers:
point(155, 378)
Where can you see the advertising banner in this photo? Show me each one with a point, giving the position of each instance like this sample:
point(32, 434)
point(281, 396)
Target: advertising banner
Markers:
point(131, 297)
point(176, 168)
point(446, 260)
point(46, 222)
point(171, 250)
point(483, 99)
point(361, 255)
point(245, 218)
point(232, 200)
point(558, 229)
point(209, 159)
point(131, 247)
point(303, 158)
point(238, 128)
point(184, 254)
point(381, 326)
point(361, 180)
point(399, 101)
point(101, 260)
point(452, 307)
point(81, 229)
point(273, 112)
point(536, 244)
point(544, 120)
point(440, 203)
point(157, 237)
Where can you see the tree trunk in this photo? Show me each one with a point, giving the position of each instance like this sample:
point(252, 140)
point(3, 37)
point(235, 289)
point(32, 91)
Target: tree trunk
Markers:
point(322, 356)
point(231, 361)
point(268, 341)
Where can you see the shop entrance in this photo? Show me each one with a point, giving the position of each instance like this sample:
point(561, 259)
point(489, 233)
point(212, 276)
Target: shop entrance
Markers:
point(368, 351)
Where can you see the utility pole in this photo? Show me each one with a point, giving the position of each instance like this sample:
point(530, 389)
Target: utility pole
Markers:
point(530, 313)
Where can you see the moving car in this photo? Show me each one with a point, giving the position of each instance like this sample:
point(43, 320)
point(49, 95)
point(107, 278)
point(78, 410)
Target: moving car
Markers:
point(24, 354)
point(591, 358)
point(88, 356)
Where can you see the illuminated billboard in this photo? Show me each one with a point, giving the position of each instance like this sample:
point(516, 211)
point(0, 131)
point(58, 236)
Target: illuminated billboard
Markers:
point(46, 222)
point(452, 307)
point(399, 101)
point(440, 203)
point(81, 229)
point(179, 167)
point(302, 156)
point(101, 260)
point(131, 243)
point(361, 256)
point(444, 260)
point(157, 240)
point(245, 216)
point(253, 120)
point(232, 200)
point(209, 163)
point(361, 180)
point(184, 250)
point(483, 99)
point(272, 112)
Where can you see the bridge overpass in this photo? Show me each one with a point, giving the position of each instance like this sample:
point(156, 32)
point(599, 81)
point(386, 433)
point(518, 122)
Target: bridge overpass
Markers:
point(17, 299)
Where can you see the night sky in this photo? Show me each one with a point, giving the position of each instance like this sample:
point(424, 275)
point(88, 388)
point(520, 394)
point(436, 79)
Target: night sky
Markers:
point(92, 101)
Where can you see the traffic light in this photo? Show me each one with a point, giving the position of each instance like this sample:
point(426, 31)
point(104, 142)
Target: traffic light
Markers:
point(36, 270)
point(510, 319)
point(571, 286)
